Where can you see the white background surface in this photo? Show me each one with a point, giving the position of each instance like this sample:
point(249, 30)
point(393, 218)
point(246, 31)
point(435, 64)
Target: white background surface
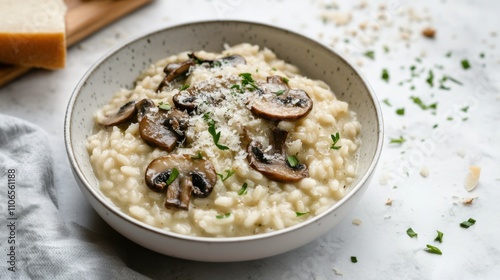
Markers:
point(465, 30)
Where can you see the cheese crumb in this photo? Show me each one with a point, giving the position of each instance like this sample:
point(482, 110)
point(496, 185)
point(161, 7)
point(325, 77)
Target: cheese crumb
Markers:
point(468, 200)
point(424, 171)
point(356, 221)
point(472, 178)
point(388, 202)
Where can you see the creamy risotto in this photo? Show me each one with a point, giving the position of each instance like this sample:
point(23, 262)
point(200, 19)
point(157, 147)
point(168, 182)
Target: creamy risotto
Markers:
point(224, 144)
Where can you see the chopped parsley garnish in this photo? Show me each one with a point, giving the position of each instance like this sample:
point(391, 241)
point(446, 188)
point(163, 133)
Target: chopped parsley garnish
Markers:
point(453, 80)
point(468, 223)
point(292, 161)
point(247, 82)
point(243, 189)
point(421, 104)
point(399, 140)
point(173, 175)
point(481, 55)
point(465, 64)
point(280, 92)
point(434, 126)
point(448, 54)
point(223, 216)
point(298, 214)
point(400, 111)
point(385, 75)
point(433, 250)
point(229, 173)
point(197, 156)
point(449, 118)
point(164, 106)
point(465, 109)
point(370, 54)
point(184, 87)
point(216, 136)
point(335, 140)
point(439, 237)
point(387, 102)
point(354, 259)
point(286, 80)
point(386, 49)
point(411, 233)
point(430, 79)
point(274, 69)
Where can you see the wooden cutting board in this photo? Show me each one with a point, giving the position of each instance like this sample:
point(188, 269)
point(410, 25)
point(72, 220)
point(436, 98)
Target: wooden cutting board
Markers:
point(83, 18)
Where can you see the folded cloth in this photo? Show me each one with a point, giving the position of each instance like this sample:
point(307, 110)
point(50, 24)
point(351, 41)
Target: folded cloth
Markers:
point(35, 241)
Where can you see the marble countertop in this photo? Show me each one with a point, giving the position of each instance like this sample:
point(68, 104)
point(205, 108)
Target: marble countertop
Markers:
point(440, 97)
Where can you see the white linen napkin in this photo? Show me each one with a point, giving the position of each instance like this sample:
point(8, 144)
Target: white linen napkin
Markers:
point(35, 241)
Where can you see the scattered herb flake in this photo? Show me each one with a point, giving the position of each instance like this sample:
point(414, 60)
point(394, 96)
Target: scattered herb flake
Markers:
point(385, 75)
point(184, 87)
point(247, 82)
point(274, 69)
point(173, 176)
point(465, 109)
point(448, 54)
point(229, 173)
point(370, 54)
point(434, 126)
point(400, 111)
point(468, 223)
point(481, 55)
point(164, 106)
point(430, 79)
point(280, 92)
point(354, 259)
point(335, 139)
point(421, 104)
point(243, 189)
point(292, 161)
point(387, 102)
point(439, 237)
point(418, 59)
point(386, 49)
point(223, 216)
point(216, 136)
point(298, 214)
point(465, 64)
point(399, 140)
point(449, 118)
point(197, 156)
point(411, 233)
point(286, 80)
point(433, 250)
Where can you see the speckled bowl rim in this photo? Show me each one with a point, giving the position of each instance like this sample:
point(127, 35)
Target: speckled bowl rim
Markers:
point(94, 191)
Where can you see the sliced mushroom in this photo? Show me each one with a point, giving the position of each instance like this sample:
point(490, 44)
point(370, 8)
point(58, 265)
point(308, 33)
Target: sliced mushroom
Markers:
point(164, 130)
point(126, 112)
point(196, 177)
point(232, 60)
point(277, 101)
point(142, 107)
point(275, 165)
point(209, 92)
point(174, 71)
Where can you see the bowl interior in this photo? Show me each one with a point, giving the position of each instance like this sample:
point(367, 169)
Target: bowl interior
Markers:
point(123, 65)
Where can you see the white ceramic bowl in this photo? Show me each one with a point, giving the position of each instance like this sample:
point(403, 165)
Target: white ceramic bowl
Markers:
point(119, 69)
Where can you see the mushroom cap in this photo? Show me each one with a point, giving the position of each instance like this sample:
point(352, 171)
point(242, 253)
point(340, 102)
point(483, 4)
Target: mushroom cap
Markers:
point(142, 107)
point(125, 113)
point(232, 60)
point(275, 166)
point(210, 92)
point(277, 101)
point(175, 70)
point(164, 130)
point(196, 177)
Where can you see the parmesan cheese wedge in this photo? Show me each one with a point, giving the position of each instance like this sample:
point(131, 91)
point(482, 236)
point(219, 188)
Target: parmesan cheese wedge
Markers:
point(472, 178)
point(32, 33)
